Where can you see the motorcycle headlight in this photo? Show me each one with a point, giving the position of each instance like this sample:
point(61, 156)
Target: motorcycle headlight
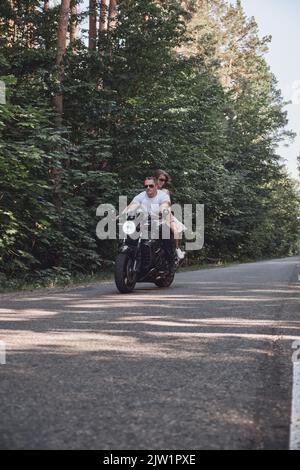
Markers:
point(129, 228)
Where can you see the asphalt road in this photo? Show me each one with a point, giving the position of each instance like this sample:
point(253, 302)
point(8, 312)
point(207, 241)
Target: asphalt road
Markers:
point(205, 364)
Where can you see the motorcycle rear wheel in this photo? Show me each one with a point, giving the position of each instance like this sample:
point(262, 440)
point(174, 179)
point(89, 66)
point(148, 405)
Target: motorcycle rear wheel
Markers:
point(165, 281)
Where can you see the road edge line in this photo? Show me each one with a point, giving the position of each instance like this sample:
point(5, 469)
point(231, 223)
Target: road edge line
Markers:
point(295, 415)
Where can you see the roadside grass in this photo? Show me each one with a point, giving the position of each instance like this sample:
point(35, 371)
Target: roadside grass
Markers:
point(76, 280)
point(59, 282)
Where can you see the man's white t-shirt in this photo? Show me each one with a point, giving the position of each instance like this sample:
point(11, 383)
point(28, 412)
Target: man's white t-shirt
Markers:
point(152, 204)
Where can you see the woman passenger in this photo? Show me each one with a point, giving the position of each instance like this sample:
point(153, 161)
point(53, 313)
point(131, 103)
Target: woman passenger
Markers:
point(163, 178)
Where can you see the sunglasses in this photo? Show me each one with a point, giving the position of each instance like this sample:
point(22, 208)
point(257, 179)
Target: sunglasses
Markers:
point(162, 179)
point(149, 186)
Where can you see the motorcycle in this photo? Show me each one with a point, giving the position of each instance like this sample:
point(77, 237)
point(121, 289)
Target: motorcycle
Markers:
point(143, 253)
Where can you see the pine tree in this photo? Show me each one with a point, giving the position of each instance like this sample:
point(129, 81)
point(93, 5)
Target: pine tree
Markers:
point(112, 15)
point(103, 16)
point(92, 25)
point(61, 49)
point(73, 23)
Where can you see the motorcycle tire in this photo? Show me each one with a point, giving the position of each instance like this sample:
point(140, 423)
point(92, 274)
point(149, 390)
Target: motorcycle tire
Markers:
point(165, 281)
point(125, 279)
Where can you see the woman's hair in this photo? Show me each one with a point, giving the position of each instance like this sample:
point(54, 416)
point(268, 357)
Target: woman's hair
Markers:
point(159, 173)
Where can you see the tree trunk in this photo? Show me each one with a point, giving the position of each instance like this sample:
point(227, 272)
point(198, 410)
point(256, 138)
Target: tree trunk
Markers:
point(30, 28)
point(48, 34)
point(112, 15)
point(62, 31)
point(92, 25)
point(58, 98)
point(103, 15)
point(61, 49)
point(11, 25)
point(74, 24)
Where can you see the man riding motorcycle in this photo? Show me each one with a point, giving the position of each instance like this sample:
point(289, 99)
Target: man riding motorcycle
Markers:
point(146, 252)
point(154, 201)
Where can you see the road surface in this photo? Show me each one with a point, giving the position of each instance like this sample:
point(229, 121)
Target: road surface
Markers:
point(206, 364)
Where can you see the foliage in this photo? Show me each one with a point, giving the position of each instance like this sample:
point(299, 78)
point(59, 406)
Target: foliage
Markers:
point(182, 86)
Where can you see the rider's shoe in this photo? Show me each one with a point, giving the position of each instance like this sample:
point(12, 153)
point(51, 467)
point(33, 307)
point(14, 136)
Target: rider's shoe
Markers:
point(180, 254)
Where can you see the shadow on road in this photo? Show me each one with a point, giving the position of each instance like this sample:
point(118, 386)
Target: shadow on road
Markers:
point(189, 367)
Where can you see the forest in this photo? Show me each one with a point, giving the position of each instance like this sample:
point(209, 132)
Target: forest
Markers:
point(98, 94)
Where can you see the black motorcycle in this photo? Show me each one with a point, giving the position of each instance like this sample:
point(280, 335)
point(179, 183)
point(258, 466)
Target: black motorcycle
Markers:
point(143, 254)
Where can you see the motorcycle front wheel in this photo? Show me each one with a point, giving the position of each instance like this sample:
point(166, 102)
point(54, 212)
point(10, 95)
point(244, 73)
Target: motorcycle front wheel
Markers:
point(125, 277)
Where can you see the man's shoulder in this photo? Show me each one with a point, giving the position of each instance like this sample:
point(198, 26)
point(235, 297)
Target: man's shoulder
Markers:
point(163, 195)
point(141, 195)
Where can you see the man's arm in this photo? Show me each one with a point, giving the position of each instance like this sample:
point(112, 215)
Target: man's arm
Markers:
point(131, 208)
point(135, 204)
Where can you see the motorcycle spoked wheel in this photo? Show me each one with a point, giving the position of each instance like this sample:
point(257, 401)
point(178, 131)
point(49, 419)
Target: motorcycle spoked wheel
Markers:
point(125, 278)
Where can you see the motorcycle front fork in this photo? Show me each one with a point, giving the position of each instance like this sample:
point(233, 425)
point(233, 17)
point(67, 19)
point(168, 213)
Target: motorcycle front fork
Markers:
point(137, 261)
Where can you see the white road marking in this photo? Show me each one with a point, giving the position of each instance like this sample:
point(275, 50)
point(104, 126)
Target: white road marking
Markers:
point(295, 419)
